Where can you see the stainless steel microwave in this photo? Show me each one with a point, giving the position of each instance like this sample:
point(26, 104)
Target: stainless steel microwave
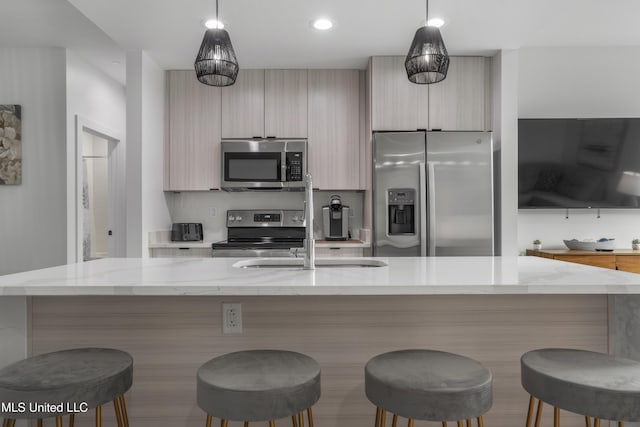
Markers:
point(263, 164)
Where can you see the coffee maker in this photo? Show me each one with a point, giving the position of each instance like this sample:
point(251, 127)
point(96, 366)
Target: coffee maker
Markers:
point(335, 219)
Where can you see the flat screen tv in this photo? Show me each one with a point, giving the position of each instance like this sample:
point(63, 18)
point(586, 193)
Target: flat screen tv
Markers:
point(579, 163)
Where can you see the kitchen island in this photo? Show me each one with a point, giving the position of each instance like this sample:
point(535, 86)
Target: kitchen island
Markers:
point(167, 314)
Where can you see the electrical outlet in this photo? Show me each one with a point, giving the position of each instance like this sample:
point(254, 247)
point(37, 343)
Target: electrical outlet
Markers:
point(213, 211)
point(231, 318)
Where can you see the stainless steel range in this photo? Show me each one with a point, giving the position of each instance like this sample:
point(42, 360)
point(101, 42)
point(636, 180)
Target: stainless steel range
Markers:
point(262, 233)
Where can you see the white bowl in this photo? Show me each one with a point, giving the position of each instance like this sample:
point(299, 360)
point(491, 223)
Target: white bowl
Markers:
point(605, 245)
point(577, 245)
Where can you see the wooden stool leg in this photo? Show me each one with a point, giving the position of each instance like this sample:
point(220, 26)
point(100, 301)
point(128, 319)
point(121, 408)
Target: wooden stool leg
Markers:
point(98, 416)
point(459, 423)
point(587, 422)
point(532, 402)
point(5, 421)
point(246, 424)
point(223, 423)
point(410, 423)
point(394, 422)
point(300, 419)
point(11, 422)
point(469, 423)
point(378, 410)
point(444, 424)
point(556, 416)
point(116, 408)
point(620, 423)
point(123, 409)
point(59, 421)
point(294, 421)
point(310, 416)
point(72, 420)
point(209, 418)
point(272, 423)
point(539, 413)
point(596, 422)
point(480, 422)
point(383, 418)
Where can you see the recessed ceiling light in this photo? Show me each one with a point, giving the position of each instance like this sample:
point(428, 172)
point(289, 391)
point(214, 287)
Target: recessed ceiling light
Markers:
point(322, 24)
point(212, 23)
point(435, 22)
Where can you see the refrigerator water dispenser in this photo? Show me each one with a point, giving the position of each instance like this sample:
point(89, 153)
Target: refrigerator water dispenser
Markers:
point(401, 211)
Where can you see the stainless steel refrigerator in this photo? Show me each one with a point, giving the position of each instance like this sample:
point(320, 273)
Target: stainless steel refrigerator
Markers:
point(432, 194)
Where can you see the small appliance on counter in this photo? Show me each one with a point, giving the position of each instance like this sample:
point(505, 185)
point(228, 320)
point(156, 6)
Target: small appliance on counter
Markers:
point(186, 232)
point(335, 219)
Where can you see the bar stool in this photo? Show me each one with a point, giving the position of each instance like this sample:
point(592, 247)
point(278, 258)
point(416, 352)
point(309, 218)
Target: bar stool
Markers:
point(72, 380)
point(259, 385)
point(584, 382)
point(428, 385)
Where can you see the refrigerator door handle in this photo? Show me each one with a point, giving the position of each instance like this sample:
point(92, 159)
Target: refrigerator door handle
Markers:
point(422, 194)
point(431, 201)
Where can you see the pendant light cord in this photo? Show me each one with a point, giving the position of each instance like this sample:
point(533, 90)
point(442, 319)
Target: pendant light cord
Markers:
point(427, 12)
point(218, 22)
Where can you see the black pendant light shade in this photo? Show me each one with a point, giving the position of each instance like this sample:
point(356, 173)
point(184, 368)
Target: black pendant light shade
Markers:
point(216, 63)
point(427, 61)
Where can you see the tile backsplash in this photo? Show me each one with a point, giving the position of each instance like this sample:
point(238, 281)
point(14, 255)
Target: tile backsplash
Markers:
point(210, 208)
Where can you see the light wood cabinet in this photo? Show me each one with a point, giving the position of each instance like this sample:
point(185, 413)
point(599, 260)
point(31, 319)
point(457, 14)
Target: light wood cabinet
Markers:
point(192, 144)
point(243, 112)
point(397, 104)
point(180, 252)
point(459, 101)
point(285, 103)
point(334, 129)
point(619, 259)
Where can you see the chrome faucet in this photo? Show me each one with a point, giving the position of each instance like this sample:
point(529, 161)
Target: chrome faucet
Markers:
point(309, 243)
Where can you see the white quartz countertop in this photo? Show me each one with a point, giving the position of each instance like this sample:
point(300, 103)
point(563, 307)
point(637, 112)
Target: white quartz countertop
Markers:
point(402, 276)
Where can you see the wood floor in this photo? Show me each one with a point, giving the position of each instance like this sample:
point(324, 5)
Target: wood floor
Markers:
point(170, 337)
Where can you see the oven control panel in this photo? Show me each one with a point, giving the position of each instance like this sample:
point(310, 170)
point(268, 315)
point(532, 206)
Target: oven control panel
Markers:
point(265, 218)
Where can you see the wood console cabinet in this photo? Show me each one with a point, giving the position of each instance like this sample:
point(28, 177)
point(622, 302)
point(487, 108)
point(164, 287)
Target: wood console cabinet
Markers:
point(620, 259)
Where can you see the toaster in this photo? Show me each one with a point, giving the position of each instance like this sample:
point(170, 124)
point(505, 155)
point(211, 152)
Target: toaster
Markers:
point(186, 231)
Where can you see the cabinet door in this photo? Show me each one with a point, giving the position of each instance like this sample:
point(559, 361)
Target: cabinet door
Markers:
point(603, 261)
point(397, 104)
point(285, 103)
point(334, 129)
point(243, 102)
point(193, 146)
point(180, 253)
point(458, 102)
point(630, 263)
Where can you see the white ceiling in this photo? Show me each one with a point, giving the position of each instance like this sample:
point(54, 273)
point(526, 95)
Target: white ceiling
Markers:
point(276, 33)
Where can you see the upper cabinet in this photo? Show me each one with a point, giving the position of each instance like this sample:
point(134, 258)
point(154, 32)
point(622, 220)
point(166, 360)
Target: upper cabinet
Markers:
point(243, 112)
point(285, 103)
point(459, 102)
point(266, 103)
point(192, 140)
point(397, 104)
point(462, 101)
point(334, 129)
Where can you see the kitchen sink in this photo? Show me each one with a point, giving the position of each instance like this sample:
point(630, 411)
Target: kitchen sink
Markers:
point(299, 262)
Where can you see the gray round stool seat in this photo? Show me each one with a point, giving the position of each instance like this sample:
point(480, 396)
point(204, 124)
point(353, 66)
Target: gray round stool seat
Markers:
point(91, 375)
point(584, 382)
point(258, 385)
point(429, 385)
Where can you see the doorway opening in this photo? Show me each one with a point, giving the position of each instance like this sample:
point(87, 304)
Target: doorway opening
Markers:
point(95, 196)
point(99, 195)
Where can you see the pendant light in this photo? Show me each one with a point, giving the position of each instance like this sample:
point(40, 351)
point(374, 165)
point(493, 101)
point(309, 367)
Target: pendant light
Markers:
point(427, 61)
point(216, 63)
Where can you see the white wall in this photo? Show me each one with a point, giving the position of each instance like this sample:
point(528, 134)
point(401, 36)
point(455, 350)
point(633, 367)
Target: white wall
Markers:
point(33, 224)
point(574, 82)
point(100, 101)
point(146, 204)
